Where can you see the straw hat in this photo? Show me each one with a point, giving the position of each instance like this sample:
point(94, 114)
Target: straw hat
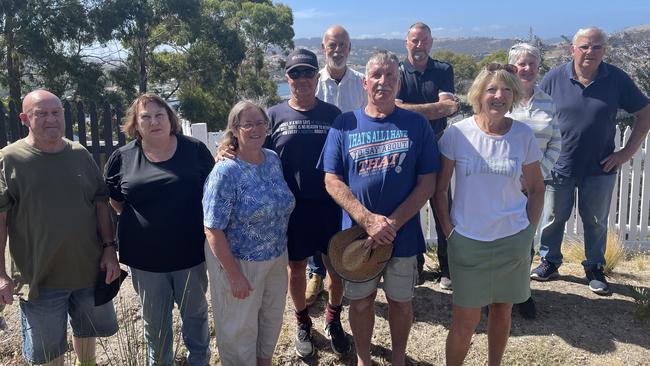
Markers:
point(351, 260)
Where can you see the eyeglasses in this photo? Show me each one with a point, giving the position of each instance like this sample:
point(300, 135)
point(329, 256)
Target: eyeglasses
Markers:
point(250, 126)
point(594, 47)
point(298, 73)
point(497, 66)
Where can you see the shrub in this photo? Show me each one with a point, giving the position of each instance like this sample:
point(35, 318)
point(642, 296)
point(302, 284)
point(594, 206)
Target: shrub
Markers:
point(574, 250)
point(641, 298)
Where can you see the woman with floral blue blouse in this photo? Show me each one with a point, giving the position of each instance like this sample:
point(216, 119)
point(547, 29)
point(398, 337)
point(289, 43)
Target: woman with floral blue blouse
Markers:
point(246, 208)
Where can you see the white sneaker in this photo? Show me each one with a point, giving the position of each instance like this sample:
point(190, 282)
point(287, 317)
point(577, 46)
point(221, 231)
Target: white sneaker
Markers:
point(445, 283)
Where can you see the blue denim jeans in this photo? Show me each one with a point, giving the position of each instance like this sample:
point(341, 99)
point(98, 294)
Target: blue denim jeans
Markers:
point(594, 197)
point(44, 321)
point(158, 291)
point(315, 266)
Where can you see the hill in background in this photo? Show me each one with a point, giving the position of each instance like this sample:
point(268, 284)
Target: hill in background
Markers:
point(362, 48)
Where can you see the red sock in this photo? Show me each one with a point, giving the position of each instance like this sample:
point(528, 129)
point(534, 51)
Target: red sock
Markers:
point(302, 316)
point(333, 313)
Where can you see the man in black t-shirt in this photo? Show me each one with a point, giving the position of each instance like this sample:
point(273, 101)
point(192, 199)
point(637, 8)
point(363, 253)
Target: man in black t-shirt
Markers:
point(299, 128)
point(427, 87)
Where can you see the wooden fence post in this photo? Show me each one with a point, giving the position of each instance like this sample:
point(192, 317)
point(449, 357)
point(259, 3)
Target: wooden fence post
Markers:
point(108, 130)
point(67, 113)
point(121, 139)
point(94, 133)
point(81, 123)
point(3, 129)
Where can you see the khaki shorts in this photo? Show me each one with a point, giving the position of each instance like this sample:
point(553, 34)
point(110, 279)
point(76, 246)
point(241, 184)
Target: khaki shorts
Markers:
point(248, 328)
point(400, 278)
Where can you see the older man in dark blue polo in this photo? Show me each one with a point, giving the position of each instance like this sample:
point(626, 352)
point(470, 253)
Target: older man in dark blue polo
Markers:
point(588, 93)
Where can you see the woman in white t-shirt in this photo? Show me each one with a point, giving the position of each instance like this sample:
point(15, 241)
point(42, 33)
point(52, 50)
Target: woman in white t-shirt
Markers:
point(492, 222)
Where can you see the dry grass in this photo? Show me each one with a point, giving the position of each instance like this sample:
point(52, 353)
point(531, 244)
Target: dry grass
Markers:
point(574, 251)
point(641, 261)
point(568, 313)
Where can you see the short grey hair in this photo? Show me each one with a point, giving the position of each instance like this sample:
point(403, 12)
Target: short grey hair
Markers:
point(381, 57)
point(583, 32)
point(419, 25)
point(520, 50)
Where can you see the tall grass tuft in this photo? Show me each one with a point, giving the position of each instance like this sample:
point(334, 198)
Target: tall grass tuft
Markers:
point(131, 349)
point(574, 250)
point(641, 298)
point(641, 261)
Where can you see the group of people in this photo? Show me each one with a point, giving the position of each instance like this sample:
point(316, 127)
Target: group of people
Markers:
point(347, 151)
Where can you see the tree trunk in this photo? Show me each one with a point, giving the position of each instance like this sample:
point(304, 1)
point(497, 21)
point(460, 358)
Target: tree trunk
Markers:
point(12, 62)
point(142, 63)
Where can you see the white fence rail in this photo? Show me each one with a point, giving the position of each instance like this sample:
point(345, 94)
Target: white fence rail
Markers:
point(629, 210)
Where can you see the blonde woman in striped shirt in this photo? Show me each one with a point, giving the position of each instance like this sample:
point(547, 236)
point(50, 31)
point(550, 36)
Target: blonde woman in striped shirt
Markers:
point(537, 110)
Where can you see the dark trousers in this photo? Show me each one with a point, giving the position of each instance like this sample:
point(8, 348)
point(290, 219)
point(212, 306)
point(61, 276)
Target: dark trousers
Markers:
point(315, 265)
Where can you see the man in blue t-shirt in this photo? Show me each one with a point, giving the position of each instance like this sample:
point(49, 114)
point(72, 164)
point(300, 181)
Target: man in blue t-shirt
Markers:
point(427, 87)
point(380, 163)
point(588, 93)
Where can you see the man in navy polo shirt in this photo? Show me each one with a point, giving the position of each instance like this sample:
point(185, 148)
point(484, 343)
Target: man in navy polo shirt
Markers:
point(427, 87)
point(587, 92)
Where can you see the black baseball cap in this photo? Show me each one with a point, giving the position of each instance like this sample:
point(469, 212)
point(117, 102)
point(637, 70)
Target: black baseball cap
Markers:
point(301, 57)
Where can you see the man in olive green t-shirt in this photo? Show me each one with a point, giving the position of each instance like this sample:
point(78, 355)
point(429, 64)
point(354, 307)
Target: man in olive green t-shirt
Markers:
point(53, 209)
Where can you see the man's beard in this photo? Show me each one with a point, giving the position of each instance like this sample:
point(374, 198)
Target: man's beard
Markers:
point(420, 55)
point(332, 64)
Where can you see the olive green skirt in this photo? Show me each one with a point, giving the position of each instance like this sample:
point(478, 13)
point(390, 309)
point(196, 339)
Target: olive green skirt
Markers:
point(487, 272)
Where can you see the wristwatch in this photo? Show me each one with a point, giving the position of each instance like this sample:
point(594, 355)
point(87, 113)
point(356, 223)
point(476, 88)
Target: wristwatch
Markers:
point(112, 243)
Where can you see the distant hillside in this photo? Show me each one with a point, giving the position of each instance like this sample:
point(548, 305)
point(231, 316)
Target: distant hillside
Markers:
point(362, 48)
point(556, 49)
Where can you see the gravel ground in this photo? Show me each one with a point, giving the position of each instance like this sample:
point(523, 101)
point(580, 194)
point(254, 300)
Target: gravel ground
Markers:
point(574, 327)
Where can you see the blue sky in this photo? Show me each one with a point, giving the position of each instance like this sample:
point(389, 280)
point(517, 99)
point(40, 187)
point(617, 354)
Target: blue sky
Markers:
point(457, 18)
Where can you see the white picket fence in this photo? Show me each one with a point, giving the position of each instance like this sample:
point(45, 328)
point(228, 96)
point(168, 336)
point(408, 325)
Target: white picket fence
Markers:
point(200, 132)
point(629, 210)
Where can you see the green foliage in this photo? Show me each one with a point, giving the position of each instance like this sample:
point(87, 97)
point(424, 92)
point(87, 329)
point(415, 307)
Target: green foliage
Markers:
point(465, 69)
point(498, 56)
point(641, 298)
point(144, 25)
point(43, 46)
point(227, 58)
point(206, 53)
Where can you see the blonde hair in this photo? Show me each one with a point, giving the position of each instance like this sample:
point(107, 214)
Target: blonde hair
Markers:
point(229, 139)
point(131, 120)
point(477, 89)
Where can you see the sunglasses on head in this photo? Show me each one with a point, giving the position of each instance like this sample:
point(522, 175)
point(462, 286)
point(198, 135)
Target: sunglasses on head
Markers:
point(298, 73)
point(497, 66)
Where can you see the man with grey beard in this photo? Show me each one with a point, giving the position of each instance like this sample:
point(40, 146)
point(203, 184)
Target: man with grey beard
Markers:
point(342, 86)
point(339, 84)
point(427, 87)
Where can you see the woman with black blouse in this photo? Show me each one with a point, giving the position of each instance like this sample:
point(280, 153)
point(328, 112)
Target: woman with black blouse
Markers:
point(156, 184)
